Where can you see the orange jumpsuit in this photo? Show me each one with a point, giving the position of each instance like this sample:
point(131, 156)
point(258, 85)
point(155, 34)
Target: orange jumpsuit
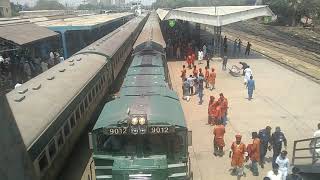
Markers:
point(211, 110)
point(224, 106)
point(255, 150)
point(217, 114)
point(195, 72)
point(238, 152)
point(219, 132)
point(183, 73)
point(193, 57)
point(189, 61)
point(212, 78)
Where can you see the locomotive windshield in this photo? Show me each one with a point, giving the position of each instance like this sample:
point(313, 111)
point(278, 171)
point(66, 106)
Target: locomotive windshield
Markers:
point(142, 145)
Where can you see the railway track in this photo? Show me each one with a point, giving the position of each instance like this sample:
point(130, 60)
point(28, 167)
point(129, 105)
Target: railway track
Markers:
point(294, 59)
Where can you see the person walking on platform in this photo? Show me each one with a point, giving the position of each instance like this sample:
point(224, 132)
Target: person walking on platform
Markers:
point(183, 73)
point(210, 104)
point(250, 86)
point(186, 90)
point(223, 103)
point(254, 153)
point(193, 58)
point(247, 74)
point(200, 57)
point(190, 81)
point(212, 79)
point(225, 41)
point(189, 61)
point(224, 62)
point(235, 44)
point(239, 47)
point(200, 87)
point(206, 76)
point(265, 137)
point(248, 48)
point(238, 153)
point(284, 164)
point(178, 52)
point(277, 138)
point(218, 141)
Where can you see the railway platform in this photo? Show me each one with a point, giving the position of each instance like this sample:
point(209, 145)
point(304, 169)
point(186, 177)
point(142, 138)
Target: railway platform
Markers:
point(282, 98)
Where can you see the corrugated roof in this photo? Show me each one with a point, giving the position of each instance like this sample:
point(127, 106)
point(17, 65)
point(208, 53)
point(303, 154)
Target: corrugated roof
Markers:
point(25, 33)
point(219, 15)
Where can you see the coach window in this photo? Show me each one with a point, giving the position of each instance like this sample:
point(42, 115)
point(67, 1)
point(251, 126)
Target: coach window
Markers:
point(82, 107)
point(66, 129)
point(60, 139)
point(78, 114)
point(93, 93)
point(52, 149)
point(43, 161)
point(72, 121)
point(86, 102)
point(90, 97)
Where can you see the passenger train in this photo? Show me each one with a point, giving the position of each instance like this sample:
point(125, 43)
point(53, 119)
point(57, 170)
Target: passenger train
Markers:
point(142, 134)
point(52, 109)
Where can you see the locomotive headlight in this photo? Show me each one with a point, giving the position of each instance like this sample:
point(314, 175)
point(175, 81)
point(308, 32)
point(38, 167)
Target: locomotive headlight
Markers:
point(142, 120)
point(134, 130)
point(143, 129)
point(134, 121)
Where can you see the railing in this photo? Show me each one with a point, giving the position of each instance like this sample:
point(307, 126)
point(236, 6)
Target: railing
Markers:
point(314, 146)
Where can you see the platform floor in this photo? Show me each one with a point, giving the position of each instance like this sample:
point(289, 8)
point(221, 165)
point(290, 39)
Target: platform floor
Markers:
point(282, 98)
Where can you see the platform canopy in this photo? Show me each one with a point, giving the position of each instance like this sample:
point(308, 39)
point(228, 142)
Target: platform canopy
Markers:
point(215, 15)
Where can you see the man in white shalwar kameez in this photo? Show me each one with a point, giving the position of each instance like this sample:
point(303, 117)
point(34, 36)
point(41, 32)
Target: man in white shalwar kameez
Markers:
point(247, 74)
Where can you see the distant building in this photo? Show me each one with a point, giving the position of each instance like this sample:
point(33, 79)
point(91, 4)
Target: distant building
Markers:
point(119, 2)
point(93, 2)
point(106, 2)
point(5, 8)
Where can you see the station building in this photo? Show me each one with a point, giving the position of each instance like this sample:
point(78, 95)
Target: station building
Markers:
point(5, 8)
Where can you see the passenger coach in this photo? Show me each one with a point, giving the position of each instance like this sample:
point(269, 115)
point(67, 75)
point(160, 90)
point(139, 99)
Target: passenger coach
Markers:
point(52, 109)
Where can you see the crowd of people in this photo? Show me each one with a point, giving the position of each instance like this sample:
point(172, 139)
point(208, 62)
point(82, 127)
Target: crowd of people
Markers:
point(18, 67)
point(240, 153)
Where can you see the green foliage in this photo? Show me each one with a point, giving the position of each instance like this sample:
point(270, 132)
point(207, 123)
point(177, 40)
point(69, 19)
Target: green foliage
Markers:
point(48, 5)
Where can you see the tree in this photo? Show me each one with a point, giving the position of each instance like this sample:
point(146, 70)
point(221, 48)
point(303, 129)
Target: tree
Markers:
point(48, 5)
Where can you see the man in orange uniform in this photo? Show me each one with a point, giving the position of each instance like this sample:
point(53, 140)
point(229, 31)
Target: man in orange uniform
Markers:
point(189, 61)
point(183, 73)
point(254, 153)
point(218, 142)
point(193, 57)
point(238, 153)
point(214, 112)
point(212, 79)
point(206, 76)
point(211, 101)
point(217, 113)
point(224, 108)
point(195, 71)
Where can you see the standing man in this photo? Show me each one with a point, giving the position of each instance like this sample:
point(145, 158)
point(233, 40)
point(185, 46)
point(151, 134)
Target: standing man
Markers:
point(223, 103)
point(239, 47)
point(212, 79)
point(247, 74)
point(283, 163)
point(206, 76)
point(186, 90)
point(248, 48)
point(250, 86)
point(224, 62)
point(315, 143)
point(235, 44)
point(190, 81)
point(277, 139)
point(183, 73)
point(200, 88)
point(264, 136)
point(210, 107)
point(218, 141)
point(255, 153)
point(238, 153)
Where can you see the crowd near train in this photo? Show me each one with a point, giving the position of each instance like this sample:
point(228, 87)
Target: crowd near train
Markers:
point(53, 109)
point(142, 134)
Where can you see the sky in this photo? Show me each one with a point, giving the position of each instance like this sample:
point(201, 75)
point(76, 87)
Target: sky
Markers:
point(71, 2)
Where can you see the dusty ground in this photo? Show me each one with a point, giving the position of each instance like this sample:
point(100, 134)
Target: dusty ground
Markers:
point(282, 98)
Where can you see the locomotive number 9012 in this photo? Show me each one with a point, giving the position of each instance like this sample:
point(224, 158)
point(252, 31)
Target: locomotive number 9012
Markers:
point(117, 131)
point(159, 130)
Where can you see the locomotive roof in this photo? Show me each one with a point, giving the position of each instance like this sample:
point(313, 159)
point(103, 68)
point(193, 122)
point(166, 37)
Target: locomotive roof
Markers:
point(37, 103)
point(147, 60)
point(144, 81)
point(159, 110)
point(151, 32)
point(147, 91)
point(115, 39)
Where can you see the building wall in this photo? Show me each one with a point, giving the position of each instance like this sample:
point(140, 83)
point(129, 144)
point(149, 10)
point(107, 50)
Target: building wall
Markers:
point(106, 2)
point(119, 2)
point(93, 2)
point(5, 8)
